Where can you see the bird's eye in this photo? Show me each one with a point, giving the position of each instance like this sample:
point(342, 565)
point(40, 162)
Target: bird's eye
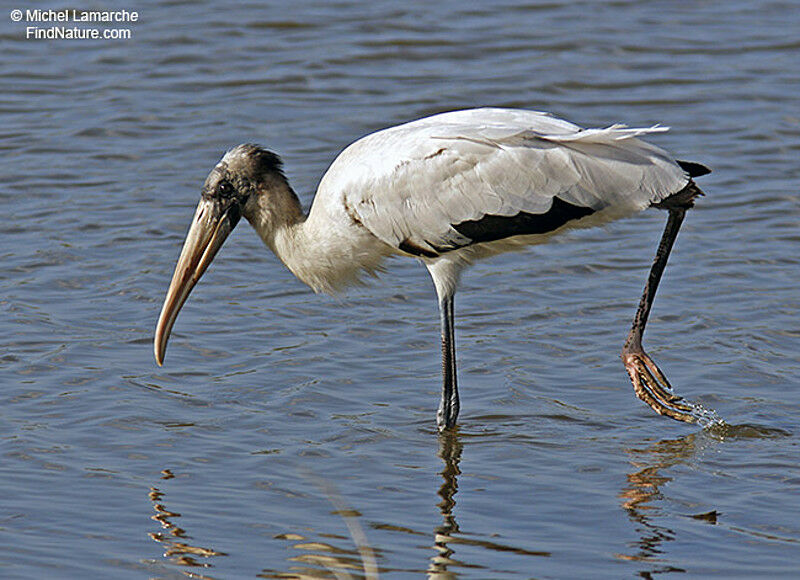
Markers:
point(225, 189)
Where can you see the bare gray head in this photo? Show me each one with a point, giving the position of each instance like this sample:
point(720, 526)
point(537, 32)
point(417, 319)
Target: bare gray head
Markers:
point(244, 171)
point(248, 181)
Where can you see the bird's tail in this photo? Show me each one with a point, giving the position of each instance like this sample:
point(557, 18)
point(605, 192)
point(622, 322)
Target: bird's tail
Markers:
point(694, 169)
point(686, 196)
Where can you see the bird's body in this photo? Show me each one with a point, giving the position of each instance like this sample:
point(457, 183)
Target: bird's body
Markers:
point(446, 189)
point(406, 189)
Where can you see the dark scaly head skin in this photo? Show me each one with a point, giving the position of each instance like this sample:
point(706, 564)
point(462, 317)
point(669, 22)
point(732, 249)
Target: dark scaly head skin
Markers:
point(232, 190)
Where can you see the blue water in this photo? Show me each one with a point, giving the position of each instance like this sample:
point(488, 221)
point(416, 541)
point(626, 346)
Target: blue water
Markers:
point(281, 417)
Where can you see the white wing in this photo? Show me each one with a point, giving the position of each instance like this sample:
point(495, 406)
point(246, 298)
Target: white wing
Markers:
point(464, 177)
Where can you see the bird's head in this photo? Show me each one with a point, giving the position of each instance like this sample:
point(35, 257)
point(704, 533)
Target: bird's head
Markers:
point(248, 181)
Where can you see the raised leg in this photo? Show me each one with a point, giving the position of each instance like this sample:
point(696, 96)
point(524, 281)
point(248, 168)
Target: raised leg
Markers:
point(649, 383)
point(448, 407)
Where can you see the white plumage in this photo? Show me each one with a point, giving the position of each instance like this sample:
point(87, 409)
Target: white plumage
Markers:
point(413, 182)
point(446, 189)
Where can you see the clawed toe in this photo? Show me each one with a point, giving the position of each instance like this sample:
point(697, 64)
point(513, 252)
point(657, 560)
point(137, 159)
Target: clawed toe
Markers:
point(652, 387)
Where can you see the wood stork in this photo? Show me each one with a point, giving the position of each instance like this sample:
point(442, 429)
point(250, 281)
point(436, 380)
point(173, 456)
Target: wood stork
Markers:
point(447, 189)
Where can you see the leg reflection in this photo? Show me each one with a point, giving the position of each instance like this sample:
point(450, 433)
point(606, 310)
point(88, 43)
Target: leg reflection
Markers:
point(450, 453)
point(641, 496)
point(448, 535)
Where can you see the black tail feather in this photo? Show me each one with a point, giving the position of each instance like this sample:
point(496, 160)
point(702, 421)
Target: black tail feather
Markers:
point(694, 169)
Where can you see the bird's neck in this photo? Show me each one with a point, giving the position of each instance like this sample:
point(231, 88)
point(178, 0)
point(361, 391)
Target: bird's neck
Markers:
point(293, 246)
point(322, 250)
point(278, 218)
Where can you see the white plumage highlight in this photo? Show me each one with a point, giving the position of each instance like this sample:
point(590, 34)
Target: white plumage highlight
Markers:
point(411, 183)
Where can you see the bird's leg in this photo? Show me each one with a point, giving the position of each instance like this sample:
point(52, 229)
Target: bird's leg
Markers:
point(649, 383)
point(449, 405)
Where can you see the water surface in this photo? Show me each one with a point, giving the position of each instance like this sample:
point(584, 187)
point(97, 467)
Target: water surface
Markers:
point(281, 417)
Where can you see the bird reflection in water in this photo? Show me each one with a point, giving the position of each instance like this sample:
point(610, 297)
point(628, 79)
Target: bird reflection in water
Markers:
point(323, 559)
point(450, 453)
point(173, 537)
point(447, 535)
point(641, 496)
point(344, 563)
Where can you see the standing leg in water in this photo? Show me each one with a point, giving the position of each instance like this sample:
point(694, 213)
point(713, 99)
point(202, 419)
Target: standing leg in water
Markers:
point(449, 405)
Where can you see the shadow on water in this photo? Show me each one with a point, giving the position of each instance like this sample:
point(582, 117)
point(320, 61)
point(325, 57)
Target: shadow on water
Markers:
point(643, 492)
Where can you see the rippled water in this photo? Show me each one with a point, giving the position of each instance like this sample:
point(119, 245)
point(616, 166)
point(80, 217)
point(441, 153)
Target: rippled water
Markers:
point(285, 425)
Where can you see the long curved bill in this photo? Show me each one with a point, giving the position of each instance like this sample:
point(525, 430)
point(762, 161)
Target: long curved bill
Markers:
point(211, 225)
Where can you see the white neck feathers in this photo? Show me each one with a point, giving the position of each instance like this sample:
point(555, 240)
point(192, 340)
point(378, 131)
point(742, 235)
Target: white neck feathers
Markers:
point(326, 252)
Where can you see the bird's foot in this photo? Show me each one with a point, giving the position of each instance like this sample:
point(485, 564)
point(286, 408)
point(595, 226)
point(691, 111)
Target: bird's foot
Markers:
point(652, 387)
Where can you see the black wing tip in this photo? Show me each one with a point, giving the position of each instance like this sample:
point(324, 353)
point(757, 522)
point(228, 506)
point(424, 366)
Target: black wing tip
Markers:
point(694, 169)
